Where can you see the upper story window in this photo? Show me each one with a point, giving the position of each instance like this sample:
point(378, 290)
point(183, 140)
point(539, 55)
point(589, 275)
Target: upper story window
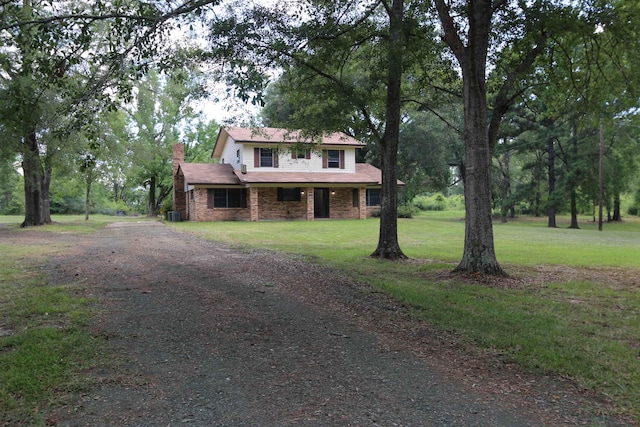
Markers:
point(238, 155)
point(333, 159)
point(265, 158)
point(300, 153)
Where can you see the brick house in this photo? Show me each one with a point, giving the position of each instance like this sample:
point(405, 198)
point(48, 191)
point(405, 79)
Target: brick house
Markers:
point(273, 174)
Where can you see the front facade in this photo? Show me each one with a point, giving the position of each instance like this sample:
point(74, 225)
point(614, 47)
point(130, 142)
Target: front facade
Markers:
point(276, 174)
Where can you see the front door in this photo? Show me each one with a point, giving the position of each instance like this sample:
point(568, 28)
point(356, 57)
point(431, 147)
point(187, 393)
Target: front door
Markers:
point(321, 203)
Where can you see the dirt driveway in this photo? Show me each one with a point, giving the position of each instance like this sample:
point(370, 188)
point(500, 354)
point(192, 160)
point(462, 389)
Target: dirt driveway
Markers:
point(213, 336)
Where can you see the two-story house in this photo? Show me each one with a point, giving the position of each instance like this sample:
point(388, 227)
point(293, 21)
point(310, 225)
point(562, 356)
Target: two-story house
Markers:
point(275, 174)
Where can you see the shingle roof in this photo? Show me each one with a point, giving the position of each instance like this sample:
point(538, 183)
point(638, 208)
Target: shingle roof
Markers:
point(279, 136)
point(209, 173)
point(224, 174)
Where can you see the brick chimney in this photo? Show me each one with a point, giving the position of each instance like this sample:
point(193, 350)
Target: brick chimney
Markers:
point(178, 156)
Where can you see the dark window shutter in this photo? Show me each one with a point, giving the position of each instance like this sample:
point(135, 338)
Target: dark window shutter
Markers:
point(210, 198)
point(256, 157)
point(280, 197)
point(356, 198)
point(244, 198)
point(325, 159)
point(275, 157)
point(307, 154)
point(341, 159)
point(294, 155)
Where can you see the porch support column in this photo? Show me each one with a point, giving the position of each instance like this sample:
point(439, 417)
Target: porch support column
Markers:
point(253, 203)
point(362, 205)
point(310, 203)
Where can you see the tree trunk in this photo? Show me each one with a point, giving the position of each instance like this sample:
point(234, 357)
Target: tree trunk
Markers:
point(551, 211)
point(45, 186)
point(574, 209)
point(32, 186)
point(616, 207)
point(479, 252)
point(506, 208)
point(388, 246)
point(87, 198)
point(152, 197)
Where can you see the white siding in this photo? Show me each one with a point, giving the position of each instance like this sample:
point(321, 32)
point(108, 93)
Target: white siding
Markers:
point(229, 154)
point(286, 163)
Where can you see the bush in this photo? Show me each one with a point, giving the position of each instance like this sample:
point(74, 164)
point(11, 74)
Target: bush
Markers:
point(436, 202)
point(407, 211)
point(455, 203)
point(633, 210)
point(404, 211)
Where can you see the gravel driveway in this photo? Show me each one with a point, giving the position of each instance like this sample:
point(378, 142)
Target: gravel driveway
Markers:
point(208, 335)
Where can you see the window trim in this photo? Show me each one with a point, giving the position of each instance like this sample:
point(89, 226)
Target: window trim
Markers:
point(327, 164)
point(257, 157)
point(211, 198)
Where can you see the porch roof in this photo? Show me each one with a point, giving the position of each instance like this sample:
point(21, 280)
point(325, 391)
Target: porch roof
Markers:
point(365, 175)
point(209, 173)
point(224, 174)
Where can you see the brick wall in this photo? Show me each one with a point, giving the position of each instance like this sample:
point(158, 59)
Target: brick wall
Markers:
point(270, 208)
point(341, 204)
point(202, 213)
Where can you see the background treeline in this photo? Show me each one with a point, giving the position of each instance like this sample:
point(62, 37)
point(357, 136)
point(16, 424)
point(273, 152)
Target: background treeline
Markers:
point(94, 95)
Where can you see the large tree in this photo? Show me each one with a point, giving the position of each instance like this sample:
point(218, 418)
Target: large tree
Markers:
point(63, 62)
point(472, 30)
point(505, 38)
point(357, 55)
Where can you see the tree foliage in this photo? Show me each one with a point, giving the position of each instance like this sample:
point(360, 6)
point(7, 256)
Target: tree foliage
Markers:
point(161, 111)
point(61, 64)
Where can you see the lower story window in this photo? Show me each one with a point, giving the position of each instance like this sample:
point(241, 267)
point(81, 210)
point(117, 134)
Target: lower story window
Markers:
point(289, 194)
point(226, 198)
point(373, 196)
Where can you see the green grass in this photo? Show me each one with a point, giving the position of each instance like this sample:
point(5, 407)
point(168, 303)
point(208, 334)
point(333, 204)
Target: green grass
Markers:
point(438, 235)
point(71, 223)
point(587, 327)
point(44, 344)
